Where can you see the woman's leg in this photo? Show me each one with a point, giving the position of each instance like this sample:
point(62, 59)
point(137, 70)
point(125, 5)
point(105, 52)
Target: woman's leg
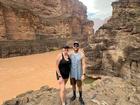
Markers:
point(65, 80)
point(62, 91)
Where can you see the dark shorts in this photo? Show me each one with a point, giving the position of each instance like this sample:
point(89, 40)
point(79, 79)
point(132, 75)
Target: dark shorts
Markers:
point(65, 75)
point(74, 82)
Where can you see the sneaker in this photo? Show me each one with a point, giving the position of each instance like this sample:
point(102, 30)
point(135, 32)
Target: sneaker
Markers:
point(72, 98)
point(81, 101)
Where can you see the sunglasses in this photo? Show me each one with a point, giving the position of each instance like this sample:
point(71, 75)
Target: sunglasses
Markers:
point(76, 45)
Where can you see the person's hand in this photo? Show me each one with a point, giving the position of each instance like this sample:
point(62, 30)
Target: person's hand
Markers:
point(83, 77)
point(60, 80)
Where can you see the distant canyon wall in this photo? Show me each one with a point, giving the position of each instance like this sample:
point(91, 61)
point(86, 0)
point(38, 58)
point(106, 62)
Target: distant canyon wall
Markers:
point(44, 20)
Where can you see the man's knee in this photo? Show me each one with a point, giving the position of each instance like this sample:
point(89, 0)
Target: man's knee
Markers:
point(72, 81)
point(79, 83)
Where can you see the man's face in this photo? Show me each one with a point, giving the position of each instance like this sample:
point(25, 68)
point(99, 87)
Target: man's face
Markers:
point(76, 47)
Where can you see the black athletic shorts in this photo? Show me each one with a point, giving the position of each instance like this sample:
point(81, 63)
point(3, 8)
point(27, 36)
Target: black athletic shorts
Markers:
point(65, 75)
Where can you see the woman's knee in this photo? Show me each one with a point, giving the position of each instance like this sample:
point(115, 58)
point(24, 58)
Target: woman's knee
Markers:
point(62, 87)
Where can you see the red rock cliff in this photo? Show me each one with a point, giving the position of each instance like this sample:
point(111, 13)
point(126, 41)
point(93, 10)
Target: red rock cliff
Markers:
point(115, 48)
point(44, 19)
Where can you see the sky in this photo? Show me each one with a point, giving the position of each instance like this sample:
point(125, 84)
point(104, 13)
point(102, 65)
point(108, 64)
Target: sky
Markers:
point(98, 9)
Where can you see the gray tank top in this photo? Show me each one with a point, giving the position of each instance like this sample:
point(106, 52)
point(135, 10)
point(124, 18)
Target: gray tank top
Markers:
point(76, 66)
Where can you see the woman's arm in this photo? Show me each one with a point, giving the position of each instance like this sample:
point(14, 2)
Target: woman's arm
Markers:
point(57, 64)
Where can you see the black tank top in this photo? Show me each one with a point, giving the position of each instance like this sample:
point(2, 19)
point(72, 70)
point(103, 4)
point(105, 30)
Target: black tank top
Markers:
point(64, 65)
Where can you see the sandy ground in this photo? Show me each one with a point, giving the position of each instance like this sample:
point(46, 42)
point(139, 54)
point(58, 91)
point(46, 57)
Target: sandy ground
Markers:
point(21, 74)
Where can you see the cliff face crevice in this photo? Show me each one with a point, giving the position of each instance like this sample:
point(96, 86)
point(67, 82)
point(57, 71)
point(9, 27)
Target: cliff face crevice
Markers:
point(43, 19)
point(115, 48)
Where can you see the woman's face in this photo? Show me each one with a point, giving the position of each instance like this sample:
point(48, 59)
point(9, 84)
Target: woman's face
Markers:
point(65, 50)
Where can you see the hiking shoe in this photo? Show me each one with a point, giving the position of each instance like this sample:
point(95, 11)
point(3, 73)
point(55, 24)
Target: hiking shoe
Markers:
point(81, 101)
point(72, 98)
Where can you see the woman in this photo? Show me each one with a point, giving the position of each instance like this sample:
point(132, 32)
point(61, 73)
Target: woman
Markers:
point(63, 66)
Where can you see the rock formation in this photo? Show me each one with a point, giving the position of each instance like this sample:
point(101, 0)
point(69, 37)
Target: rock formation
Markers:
point(115, 48)
point(107, 91)
point(42, 20)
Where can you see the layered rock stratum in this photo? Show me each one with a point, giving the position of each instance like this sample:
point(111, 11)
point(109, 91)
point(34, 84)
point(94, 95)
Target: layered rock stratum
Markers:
point(41, 25)
point(115, 48)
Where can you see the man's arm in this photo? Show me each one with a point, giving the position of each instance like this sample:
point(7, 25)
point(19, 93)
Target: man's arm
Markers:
point(83, 67)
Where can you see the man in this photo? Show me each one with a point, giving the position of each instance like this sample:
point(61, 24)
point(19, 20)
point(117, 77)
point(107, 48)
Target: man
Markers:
point(77, 73)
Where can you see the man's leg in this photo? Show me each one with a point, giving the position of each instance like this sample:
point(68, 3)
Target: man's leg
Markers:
point(79, 85)
point(73, 83)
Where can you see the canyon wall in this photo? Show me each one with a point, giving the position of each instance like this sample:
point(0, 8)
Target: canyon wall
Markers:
point(115, 48)
point(61, 21)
